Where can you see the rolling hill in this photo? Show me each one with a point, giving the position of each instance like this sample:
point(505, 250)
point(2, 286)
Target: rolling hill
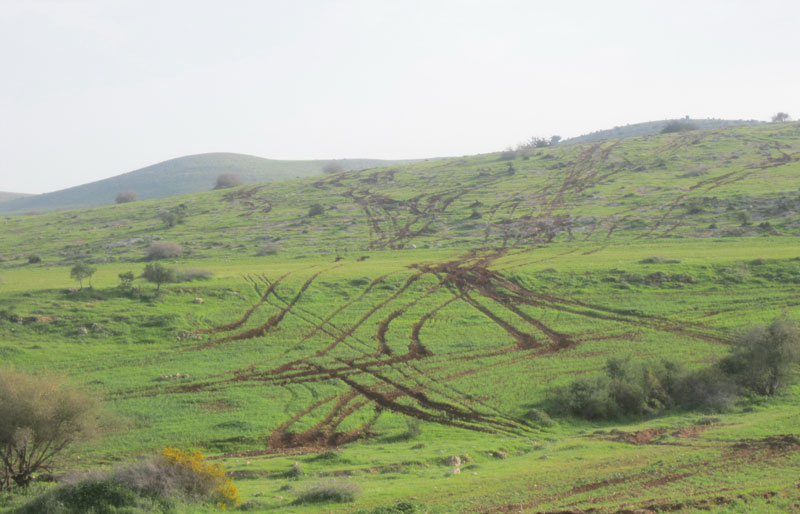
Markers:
point(5, 197)
point(403, 330)
point(650, 128)
point(189, 174)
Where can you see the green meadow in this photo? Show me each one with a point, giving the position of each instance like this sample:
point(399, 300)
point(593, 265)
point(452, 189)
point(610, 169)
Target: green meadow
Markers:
point(370, 326)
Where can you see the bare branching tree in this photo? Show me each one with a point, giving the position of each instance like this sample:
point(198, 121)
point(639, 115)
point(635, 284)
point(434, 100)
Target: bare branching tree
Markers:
point(40, 417)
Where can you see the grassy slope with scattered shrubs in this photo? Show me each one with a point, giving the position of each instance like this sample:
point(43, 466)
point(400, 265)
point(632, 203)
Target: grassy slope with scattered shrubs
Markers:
point(420, 323)
point(183, 175)
point(763, 363)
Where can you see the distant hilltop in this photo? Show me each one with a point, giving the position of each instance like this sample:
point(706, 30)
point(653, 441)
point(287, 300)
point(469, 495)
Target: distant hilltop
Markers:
point(189, 174)
point(650, 128)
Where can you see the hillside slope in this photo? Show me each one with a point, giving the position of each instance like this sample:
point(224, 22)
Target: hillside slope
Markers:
point(417, 318)
point(5, 196)
point(730, 182)
point(189, 174)
point(650, 128)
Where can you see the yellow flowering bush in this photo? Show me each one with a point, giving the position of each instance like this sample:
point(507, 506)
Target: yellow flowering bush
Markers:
point(201, 479)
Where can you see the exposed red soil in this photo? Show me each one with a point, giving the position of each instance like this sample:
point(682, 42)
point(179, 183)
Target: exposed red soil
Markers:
point(249, 312)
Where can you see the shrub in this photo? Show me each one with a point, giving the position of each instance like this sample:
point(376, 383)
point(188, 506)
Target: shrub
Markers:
point(150, 485)
point(164, 250)
point(539, 417)
point(332, 491)
point(315, 209)
point(192, 274)
point(189, 475)
point(294, 472)
point(509, 154)
point(707, 389)
point(764, 358)
point(34, 259)
point(228, 180)
point(96, 495)
point(678, 126)
point(413, 428)
point(403, 507)
point(126, 280)
point(173, 216)
point(40, 417)
point(744, 217)
point(695, 205)
point(626, 389)
point(126, 196)
point(268, 249)
point(332, 167)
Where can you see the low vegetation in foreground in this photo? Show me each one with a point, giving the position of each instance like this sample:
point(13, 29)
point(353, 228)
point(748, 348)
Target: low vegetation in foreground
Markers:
point(598, 327)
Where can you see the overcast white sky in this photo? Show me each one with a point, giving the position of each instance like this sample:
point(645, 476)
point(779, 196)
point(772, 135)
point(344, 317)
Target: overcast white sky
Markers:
point(91, 89)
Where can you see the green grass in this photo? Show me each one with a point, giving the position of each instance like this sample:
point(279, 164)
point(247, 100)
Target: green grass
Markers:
point(464, 324)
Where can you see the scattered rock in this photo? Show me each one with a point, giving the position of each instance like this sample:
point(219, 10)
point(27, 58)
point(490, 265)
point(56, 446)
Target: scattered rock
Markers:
point(453, 460)
point(176, 376)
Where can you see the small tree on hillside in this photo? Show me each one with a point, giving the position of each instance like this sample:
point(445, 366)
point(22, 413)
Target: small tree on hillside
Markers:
point(126, 196)
point(40, 417)
point(227, 180)
point(82, 271)
point(158, 274)
point(780, 117)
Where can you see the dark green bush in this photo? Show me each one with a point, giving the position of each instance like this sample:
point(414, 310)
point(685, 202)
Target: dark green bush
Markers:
point(397, 508)
point(708, 389)
point(173, 216)
point(629, 389)
point(764, 359)
point(678, 126)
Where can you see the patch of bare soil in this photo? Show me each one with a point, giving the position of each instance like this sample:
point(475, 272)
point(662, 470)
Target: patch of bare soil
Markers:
point(638, 438)
point(775, 444)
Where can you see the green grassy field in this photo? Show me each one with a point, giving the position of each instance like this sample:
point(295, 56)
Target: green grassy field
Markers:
point(428, 312)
